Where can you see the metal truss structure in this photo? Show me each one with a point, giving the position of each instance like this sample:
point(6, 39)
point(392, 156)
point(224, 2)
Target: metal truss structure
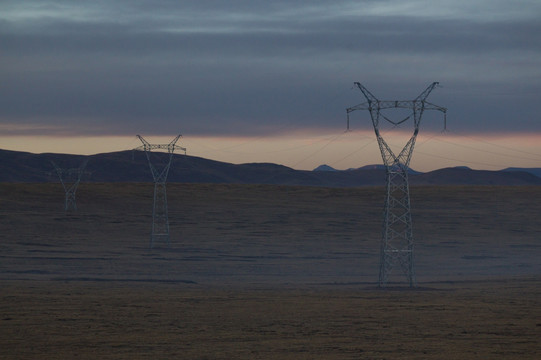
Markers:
point(397, 239)
point(160, 217)
point(70, 179)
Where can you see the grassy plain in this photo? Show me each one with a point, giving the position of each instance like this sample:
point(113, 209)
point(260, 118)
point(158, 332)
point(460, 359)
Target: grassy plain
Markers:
point(257, 272)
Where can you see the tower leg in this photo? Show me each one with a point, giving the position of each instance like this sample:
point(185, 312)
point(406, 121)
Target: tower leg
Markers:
point(70, 201)
point(397, 238)
point(160, 218)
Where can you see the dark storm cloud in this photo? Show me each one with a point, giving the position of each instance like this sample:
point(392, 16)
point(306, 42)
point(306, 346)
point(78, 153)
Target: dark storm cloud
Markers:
point(236, 67)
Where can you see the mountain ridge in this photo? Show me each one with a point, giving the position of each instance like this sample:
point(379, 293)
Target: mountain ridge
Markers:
point(132, 166)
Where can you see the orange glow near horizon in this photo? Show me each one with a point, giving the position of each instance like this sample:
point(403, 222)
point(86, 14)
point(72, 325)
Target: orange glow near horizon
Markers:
point(305, 151)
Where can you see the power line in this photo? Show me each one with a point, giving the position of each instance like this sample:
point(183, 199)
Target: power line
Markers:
point(300, 146)
point(458, 160)
point(485, 151)
point(320, 149)
point(501, 146)
point(353, 153)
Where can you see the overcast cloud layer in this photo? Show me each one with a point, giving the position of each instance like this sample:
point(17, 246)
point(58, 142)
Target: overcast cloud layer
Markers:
point(256, 67)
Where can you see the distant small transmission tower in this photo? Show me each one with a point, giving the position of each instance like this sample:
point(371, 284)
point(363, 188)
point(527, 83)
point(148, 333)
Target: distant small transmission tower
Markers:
point(70, 179)
point(160, 218)
point(397, 239)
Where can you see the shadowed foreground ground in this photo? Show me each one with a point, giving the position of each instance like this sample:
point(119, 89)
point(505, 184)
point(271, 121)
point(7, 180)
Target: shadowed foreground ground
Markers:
point(266, 272)
point(489, 320)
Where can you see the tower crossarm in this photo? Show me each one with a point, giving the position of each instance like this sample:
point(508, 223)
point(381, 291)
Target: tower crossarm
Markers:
point(70, 178)
point(174, 141)
point(363, 106)
point(367, 94)
point(402, 104)
point(430, 106)
point(146, 145)
point(427, 91)
point(387, 104)
point(168, 147)
point(171, 147)
point(374, 103)
point(418, 105)
point(71, 174)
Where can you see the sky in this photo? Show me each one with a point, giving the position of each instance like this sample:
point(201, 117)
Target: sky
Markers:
point(269, 81)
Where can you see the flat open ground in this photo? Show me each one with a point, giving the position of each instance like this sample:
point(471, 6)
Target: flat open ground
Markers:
point(256, 272)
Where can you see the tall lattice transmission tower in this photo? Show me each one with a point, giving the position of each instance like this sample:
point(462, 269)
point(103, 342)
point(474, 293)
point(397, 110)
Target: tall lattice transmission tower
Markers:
point(397, 239)
point(160, 217)
point(70, 179)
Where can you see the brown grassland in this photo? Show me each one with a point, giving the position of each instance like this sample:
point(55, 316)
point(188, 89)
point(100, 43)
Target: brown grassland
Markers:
point(266, 272)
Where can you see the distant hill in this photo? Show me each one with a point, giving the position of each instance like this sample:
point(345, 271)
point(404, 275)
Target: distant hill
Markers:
point(534, 171)
point(324, 167)
point(466, 176)
point(129, 166)
point(382, 167)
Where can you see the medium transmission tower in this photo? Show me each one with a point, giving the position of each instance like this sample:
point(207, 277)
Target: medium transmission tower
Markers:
point(160, 218)
point(70, 179)
point(397, 239)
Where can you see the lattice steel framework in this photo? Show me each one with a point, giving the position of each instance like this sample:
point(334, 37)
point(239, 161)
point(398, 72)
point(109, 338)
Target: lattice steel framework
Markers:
point(160, 217)
point(70, 179)
point(397, 239)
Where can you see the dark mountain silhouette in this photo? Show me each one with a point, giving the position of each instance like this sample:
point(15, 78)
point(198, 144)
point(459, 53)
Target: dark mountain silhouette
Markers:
point(382, 167)
point(132, 166)
point(534, 171)
point(324, 167)
point(466, 176)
